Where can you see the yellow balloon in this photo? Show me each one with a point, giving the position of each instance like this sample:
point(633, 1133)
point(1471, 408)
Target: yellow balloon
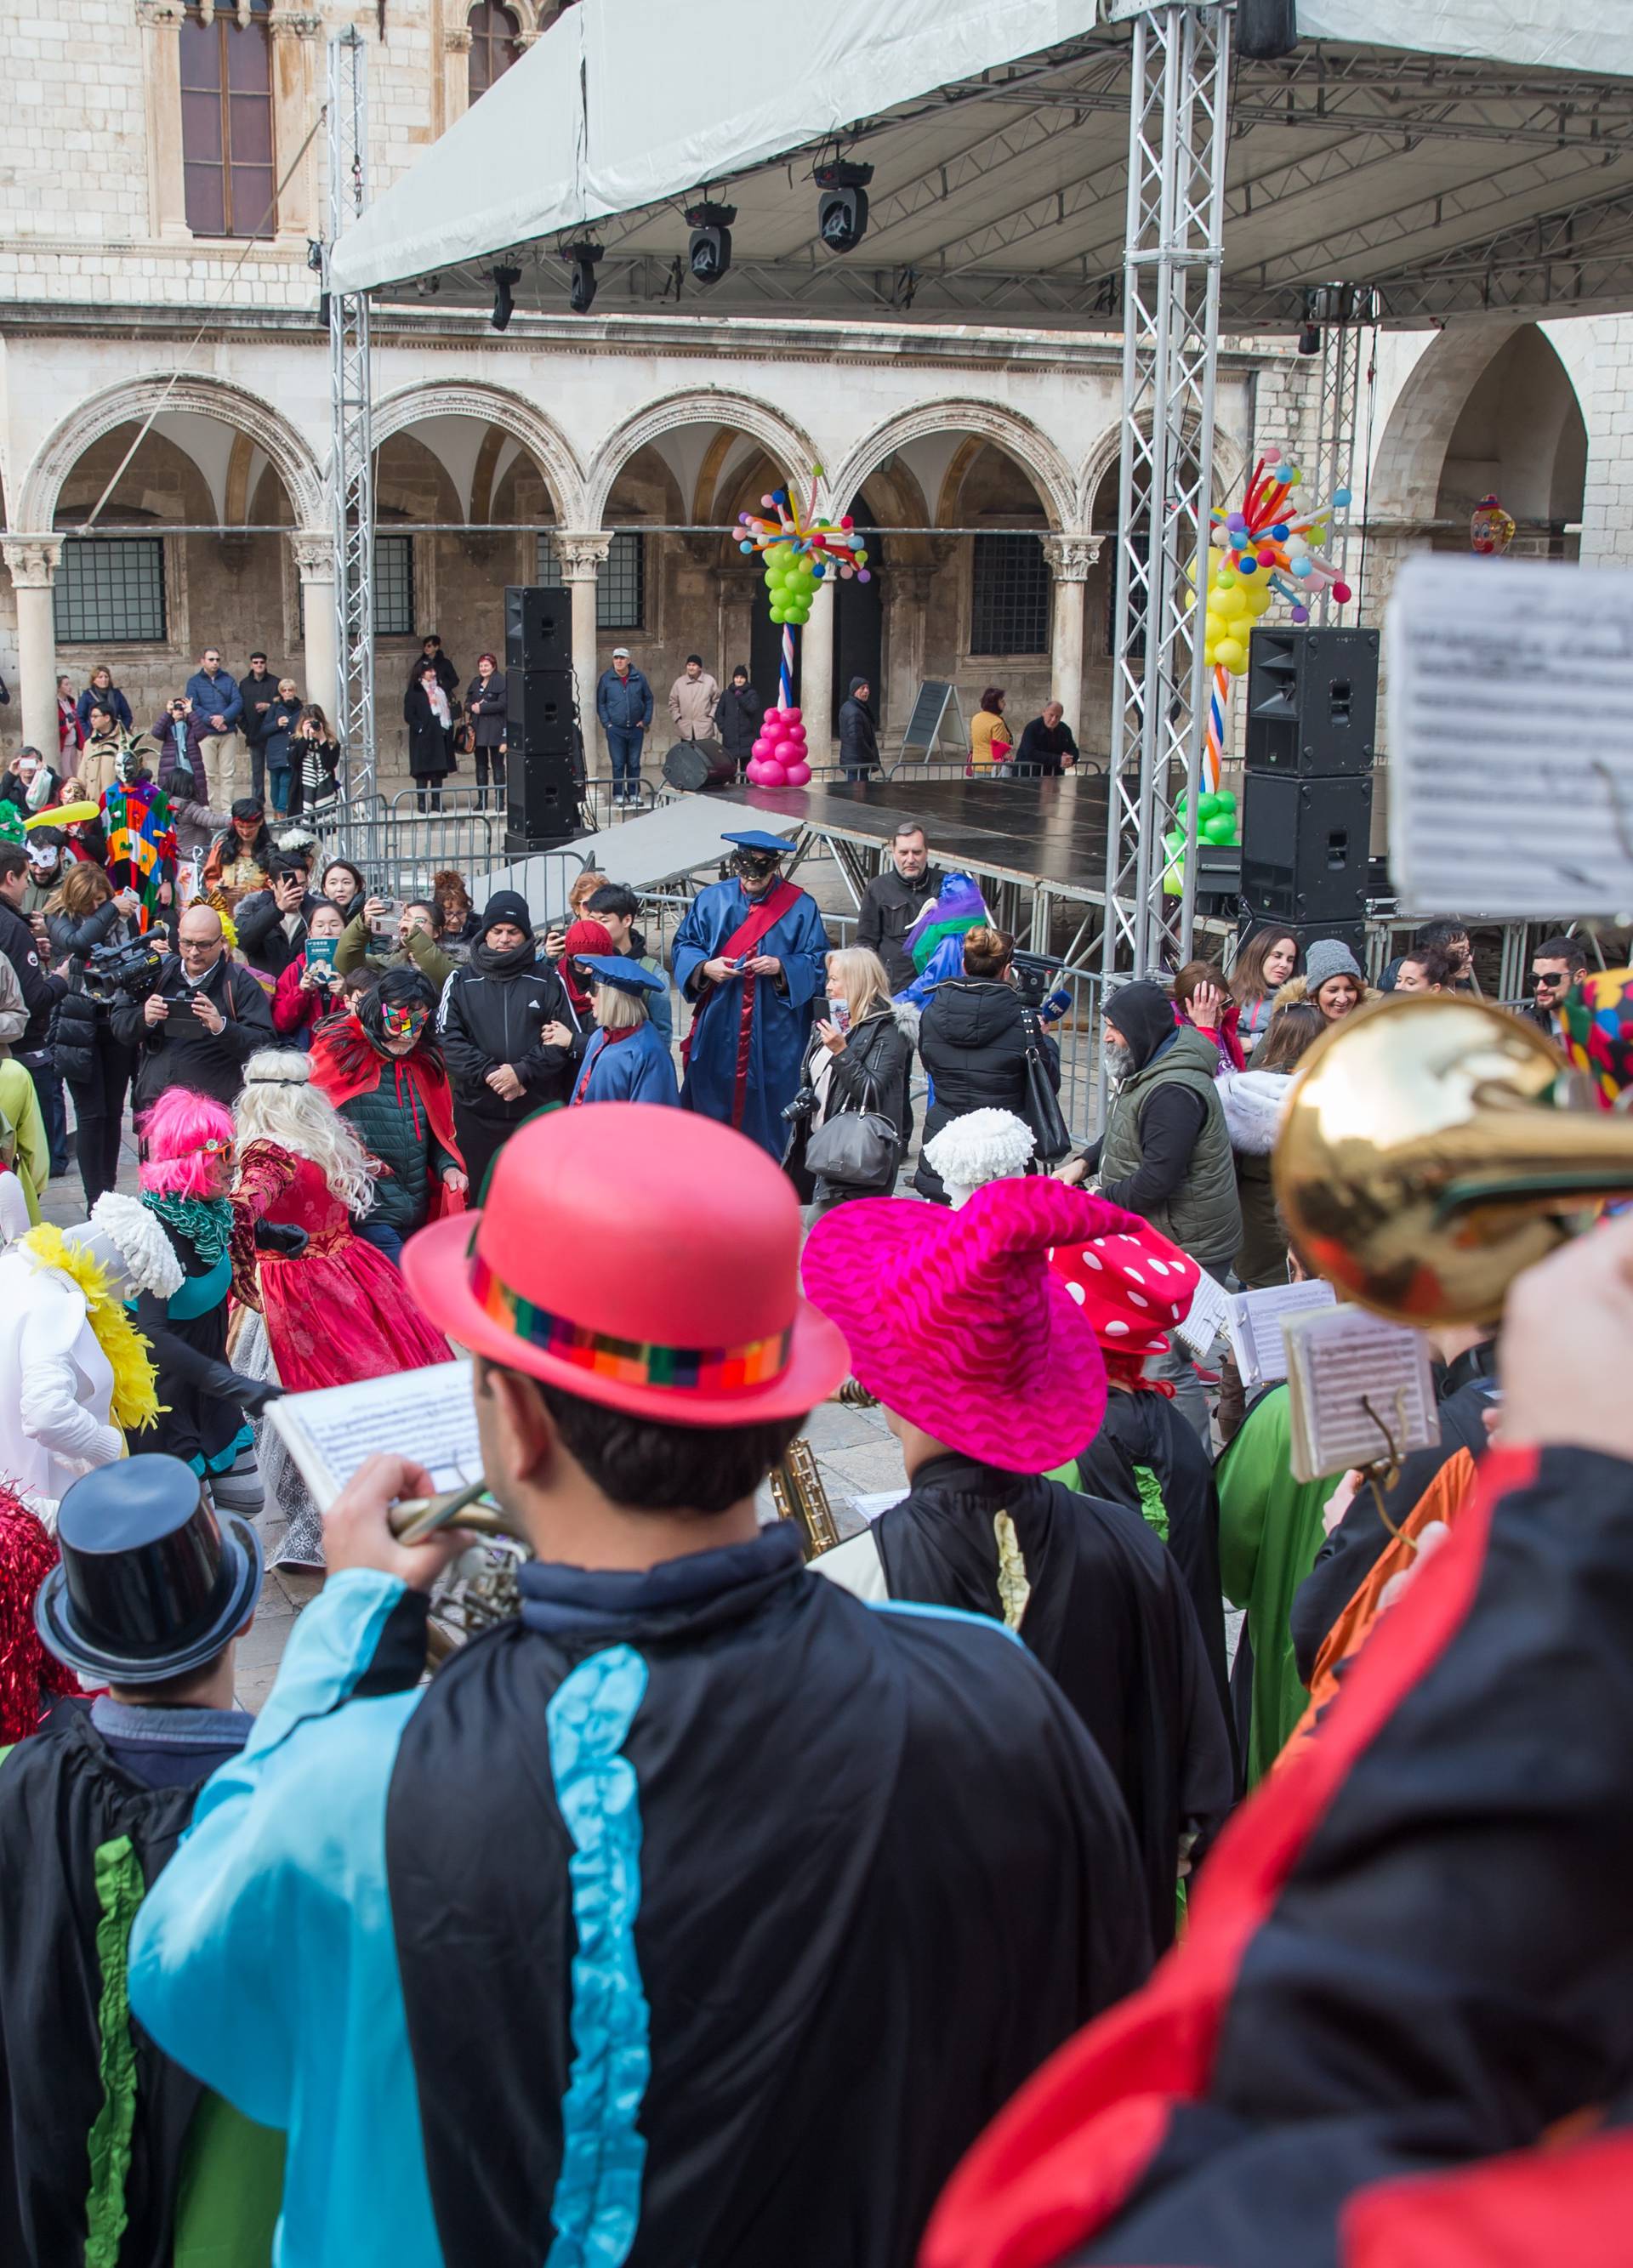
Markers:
point(1233, 603)
point(63, 814)
point(1232, 655)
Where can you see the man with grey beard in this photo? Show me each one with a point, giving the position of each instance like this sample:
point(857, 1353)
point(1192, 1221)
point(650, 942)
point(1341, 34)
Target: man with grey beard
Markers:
point(1166, 1152)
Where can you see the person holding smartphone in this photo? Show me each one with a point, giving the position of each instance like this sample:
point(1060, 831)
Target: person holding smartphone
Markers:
point(309, 989)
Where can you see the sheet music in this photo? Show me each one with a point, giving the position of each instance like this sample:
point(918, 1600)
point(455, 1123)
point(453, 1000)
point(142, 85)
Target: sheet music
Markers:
point(1510, 737)
point(425, 1414)
point(1255, 1326)
point(1209, 1314)
point(1339, 1360)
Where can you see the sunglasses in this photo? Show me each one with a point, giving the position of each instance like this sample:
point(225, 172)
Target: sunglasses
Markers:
point(216, 1147)
point(1539, 979)
point(401, 1022)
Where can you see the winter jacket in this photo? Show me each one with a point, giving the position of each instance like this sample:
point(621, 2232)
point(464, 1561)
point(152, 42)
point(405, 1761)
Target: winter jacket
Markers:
point(180, 769)
point(295, 1011)
point(448, 678)
point(737, 720)
point(277, 743)
point(267, 940)
point(1045, 749)
point(314, 778)
point(1253, 1103)
point(392, 1124)
point(40, 992)
point(216, 696)
point(431, 743)
point(358, 949)
point(859, 737)
point(1296, 991)
point(623, 704)
point(182, 1051)
point(692, 703)
point(113, 700)
point(13, 1014)
point(871, 1070)
point(889, 907)
point(487, 1020)
point(973, 1038)
point(252, 690)
point(82, 1025)
point(1185, 1149)
point(489, 722)
point(97, 760)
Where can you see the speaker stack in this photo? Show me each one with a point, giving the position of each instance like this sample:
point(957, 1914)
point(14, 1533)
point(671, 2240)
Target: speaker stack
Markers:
point(1307, 810)
point(546, 768)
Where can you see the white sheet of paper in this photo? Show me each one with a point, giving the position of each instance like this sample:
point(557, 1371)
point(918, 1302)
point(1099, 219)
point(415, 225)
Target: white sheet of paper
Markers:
point(1340, 1361)
point(1510, 737)
point(1209, 1314)
point(877, 1501)
point(1255, 1326)
point(425, 1414)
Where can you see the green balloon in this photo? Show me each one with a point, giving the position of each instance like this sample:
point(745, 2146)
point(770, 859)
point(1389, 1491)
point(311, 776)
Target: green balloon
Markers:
point(1207, 807)
point(1220, 829)
point(1226, 799)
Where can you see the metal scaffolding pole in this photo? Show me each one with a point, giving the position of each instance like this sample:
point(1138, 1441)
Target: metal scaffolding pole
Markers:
point(1345, 311)
point(1173, 253)
point(352, 467)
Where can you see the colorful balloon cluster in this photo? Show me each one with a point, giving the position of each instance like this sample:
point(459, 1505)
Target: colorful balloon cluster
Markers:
point(798, 551)
point(1267, 549)
point(777, 758)
point(1216, 822)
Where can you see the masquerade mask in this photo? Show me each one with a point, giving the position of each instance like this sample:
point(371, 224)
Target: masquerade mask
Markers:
point(404, 1023)
point(127, 764)
point(753, 865)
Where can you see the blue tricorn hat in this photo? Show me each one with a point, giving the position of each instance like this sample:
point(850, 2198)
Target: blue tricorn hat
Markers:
point(617, 969)
point(756, 839)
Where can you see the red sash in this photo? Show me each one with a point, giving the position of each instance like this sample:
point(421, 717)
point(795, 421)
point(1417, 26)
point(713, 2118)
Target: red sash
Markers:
point(763, 917)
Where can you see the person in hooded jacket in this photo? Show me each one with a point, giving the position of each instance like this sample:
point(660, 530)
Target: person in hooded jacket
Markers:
point(973, 1038)
point(1253, 1103)
point(737, 716)
point(859, 732)
point(507, 1032)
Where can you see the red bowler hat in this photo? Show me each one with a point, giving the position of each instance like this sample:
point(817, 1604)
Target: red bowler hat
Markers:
point(639, 1257)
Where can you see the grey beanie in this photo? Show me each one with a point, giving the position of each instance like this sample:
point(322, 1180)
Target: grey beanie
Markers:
point(1329, 957)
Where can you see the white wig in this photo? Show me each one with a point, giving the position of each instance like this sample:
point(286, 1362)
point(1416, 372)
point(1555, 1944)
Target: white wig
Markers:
point(280, 1105)
point(981, 1146)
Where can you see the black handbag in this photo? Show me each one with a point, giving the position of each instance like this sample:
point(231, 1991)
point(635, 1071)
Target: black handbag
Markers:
point(1043, 1112)
point(856, 1148)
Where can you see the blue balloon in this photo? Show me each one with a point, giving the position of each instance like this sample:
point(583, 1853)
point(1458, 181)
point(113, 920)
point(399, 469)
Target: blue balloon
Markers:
point(1301, 568)
point(1280, 531)
point(1247, 564)
point(1342, 496)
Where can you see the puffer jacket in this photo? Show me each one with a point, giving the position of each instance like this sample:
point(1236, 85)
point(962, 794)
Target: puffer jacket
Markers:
point(1253, 1103)
point(972, 1039)
point(489, 1020)
point(392, 1123)
point(81, 1026)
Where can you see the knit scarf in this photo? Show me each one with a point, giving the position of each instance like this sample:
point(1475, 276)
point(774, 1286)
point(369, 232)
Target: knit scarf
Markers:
point(134, 1403)
point(205, 1222)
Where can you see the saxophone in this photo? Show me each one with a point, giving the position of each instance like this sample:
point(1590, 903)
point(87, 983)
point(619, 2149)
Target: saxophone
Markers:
point(799, 1495)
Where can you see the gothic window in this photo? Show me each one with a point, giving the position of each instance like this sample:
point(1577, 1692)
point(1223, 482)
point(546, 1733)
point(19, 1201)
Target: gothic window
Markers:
point(226, 122)
point(494, 45)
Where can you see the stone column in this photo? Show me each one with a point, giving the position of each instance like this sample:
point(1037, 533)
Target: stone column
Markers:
point(161, 79)
point(816, 675)
point(582, 556)
point(33, 566)
point(296, 67)
point(1070, 558)
point(314, 560)
point(455, 89)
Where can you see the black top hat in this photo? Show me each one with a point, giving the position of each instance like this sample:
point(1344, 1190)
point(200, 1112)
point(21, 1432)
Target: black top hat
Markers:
point(152, 1584)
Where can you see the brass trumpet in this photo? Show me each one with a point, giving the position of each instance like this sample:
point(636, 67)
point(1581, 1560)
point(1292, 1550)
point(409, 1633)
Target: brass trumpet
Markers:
point(1425, 1160)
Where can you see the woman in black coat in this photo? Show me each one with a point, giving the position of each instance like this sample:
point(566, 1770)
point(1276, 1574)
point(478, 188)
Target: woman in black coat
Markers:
point(737, 717)
point(313, 769)
point(861, 1058)
point(485, 706)
point(429, 716)
point(973, 1038)
point(82, 915)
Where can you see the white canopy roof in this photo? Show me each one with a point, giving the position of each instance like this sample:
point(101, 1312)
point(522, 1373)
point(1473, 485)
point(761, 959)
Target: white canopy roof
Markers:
point(1459, 153)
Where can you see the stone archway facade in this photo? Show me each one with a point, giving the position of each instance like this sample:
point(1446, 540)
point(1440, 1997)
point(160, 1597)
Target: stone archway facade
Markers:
point(537, 433)
point(785, 442)
point(1038, 456)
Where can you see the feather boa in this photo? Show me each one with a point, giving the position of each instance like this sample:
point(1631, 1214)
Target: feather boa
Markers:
point(135, 1397)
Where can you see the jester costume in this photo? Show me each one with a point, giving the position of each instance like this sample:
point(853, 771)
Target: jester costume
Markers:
point(141, 839)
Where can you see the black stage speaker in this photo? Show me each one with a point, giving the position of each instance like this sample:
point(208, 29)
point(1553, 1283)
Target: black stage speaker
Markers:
point(539, 709)
point(538, 628)
point(1312, 701)
point(542, 807)
point(694, 765)
point(1306, 844)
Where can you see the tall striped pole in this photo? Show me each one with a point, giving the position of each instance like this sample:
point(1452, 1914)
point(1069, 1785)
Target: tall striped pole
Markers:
point(785, 686)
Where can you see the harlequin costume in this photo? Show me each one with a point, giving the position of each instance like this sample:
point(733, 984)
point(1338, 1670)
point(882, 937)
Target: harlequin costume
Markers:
point(595, 1929)
point(1596, 1026)
point(109, 2152)
point(957, 1323)
point(141, 836)
point(745, 1052)
point(1403, 2001)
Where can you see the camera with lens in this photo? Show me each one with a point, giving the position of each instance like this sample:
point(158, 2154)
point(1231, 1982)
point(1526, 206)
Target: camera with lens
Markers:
point(802, 1107)
point(1034, 976)
point(129, 966)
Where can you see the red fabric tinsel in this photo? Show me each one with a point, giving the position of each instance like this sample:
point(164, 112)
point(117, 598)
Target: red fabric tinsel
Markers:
point(27, 1555)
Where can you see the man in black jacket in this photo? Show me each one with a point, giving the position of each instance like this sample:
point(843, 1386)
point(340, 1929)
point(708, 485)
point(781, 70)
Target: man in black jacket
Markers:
point(259, 691)
point(894, 900)
point(858, 736)
point(203, 1024)
point(507, 1032)
point(272, 923)
point(20, 945)
point(1046, 745)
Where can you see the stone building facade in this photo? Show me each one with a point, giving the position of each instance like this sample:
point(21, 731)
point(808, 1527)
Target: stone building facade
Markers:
point(164, 369)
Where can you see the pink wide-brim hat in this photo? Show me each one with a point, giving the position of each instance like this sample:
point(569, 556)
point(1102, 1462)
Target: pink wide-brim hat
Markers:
point(955, 1321)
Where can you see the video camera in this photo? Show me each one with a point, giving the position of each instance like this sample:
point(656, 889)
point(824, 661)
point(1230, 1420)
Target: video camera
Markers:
point(127, 965)
point(1035, 974)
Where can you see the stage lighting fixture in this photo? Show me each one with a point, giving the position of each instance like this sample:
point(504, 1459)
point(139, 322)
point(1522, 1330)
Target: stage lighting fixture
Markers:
point(709, 251)
point(504, 282)
point(1265, 29)
point(1310, 339)
point(842, 212)
point(582, 258)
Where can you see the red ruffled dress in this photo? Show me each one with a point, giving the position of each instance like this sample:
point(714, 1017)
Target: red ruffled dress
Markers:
point(339, 1311)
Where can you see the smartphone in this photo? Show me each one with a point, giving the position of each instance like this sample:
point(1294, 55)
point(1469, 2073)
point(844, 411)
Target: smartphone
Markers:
point(384, 924)
point(321, 951)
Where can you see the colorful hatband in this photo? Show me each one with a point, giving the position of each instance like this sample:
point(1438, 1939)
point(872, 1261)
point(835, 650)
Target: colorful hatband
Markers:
point(633, 1362)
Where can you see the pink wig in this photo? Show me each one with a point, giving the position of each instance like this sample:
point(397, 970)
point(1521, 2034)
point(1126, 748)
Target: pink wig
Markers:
point(175, 1132)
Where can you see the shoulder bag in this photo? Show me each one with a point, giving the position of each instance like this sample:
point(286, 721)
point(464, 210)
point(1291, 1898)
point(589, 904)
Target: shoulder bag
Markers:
point(856, 1148)
point(1043, 1112)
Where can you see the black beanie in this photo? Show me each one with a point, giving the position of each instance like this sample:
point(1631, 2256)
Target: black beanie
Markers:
point(507, 906)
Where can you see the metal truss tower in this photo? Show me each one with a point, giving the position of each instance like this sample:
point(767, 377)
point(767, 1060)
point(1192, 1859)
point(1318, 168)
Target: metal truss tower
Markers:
point(1345, 312)
point(1178, 131)
point(352, 467)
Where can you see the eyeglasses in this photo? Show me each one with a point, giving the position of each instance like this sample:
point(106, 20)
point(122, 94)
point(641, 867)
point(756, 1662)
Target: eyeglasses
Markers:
point(216, 1147)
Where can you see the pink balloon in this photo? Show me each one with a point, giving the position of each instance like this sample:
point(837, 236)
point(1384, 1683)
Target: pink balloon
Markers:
point(762, 747)
point(790, 716)
point(753, 768)
point(798, 775)
point(784, 752)
point(773, 775)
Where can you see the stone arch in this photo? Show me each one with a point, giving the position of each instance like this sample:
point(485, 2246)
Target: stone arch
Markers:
point(131, 401)
point(542, 439)
point(1029, 447)
point(785, 443)
point(1411, 451)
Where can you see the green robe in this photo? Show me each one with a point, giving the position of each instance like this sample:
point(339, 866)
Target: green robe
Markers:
point(1269, 1532)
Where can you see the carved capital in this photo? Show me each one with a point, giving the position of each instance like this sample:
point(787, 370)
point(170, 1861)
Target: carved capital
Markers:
point(315, 555)
point(34, 561)
point(295, 21)
point(582, 554)
point(160, 15)
point(1071, 556)
point(458, 41)
point(525, 39)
